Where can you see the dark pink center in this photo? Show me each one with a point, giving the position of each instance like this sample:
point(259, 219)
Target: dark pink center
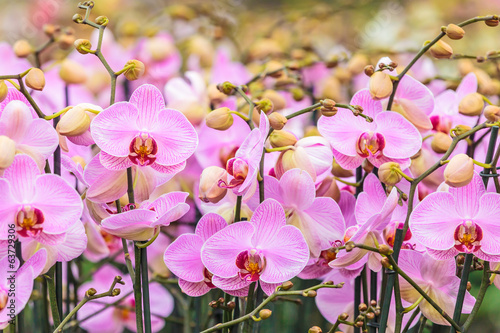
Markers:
point(208, 278)
point(4, 298)
point(29, 221)
point(237, 168)
point(251, 264)
point(143, 149)
point(468, 236)
point(370, 144)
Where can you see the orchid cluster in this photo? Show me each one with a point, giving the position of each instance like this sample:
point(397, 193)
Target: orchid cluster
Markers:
point(144, 177)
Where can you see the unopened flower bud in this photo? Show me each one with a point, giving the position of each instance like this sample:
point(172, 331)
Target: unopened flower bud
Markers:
point(385, 250)
point(369, 70)
point(311, 293)
point(459, 171)
point(297, 94)
point(220, 119)
point(77, 18)
point(349, 246)
point(460, 259)
point(469, 286)
point(74, 122)
point(116, 292)
point(492, 22)
point(344, 316)
point(136, 70)
point(370, 315)
point(226, 87)
point(461, 129)
point(340, 172)
point(277, 120)
point(7, 151)
point(491, 112)
point(35, 79)
point(362, 307)
point(279, 102)
point(359, 323)
point(441, 142)
point(357, 63)
point(367, 166)
point(209, 190)
point(287, 285)
point(231, 305)
point(50, 29)
point(265, 105)
point(471, 105)
point(91, 292)
point(388, 173)
point(282, 138)
point(82, 46)
point(315, 329)
point(380, 85)
point(4, 90)
point(441, 50)
point(102, 20)
point(72, 72)
point(265, 313)
point(453, 31)
point(65, 41)
point(329, 188)
point(386, 262)
point(22, 48)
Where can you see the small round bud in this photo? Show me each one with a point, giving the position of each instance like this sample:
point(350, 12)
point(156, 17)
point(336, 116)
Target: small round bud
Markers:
point(461, 129)
point(116, 292)
point(359, 323)
point(297, 94)
point(492, 22)
point(136, 70)
point(362, 307)
point(282, 138)
point(72, 72)
point(91, 292)
point(441, 142)
point(220, 119)
point(265, 105)
point(386, 262)
point(380, 85)
point(369, 70)
point(82, 46)
point(388, 173)
point(471, 105)
point(329, 188)
point(50, 29)
point(469, 286)
point(441, 50)
point(315, 329)
point(77, 18)
point(35, 79)
point(311, 293)
point(459, 171)
point(344, 316)
point(279, 102)
point(480, 59)
point(357, 63)
point(329, 283)
point(370, 315)
point(274, 69)
point(277, 120)
point(328, 112)
point(66, 41)
point(209, 190)
point(287, 285)
point(491, 112)
point(265, 313)
point(4, 90)
point(340, 172)
point(22, 48)
point(453, 31)
point(349, 246)
point(102, 20)
point(373, 303)
point(7, 151)
point(231, 305)
point(460, 259)
point(226, 87)
point(74, 122)
point(385, 250)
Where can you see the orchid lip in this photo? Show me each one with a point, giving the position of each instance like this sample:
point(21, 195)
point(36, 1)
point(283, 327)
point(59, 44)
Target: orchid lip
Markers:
point(468, 236)
point(4, 297)
point(370, 144)
point(143, 149)
point(208, 278)
point(29, 221)
point(329, 255)
point(251, 264)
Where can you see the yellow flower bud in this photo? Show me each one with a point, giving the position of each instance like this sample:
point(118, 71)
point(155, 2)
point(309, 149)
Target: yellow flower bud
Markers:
point(492, 113)
point(82, 45)
point(22, 48)
point(460, 129)
point(453, 31)
point(265, 313)
point(492, 22)
point(278, 100)
point(74, 122)
point(380, 85)
point(441, 50)
point(315, 329)
point(35, 79)
point(388, 173)
point(4, 90)
point(441, 142)
point(265, 105)
point(136, 71)
point(7, 151)
point(66, 41)
point(277, 120)
point(282, 138)
point(329, 188)
point(72, 72)
point(219, 119)
point(459, 171)
point(209, 190)
point(215, 95)
point(340, 172)
point(471, 105)
point(357, 64)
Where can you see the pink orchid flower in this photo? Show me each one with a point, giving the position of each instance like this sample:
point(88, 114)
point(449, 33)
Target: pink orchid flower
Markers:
point(144, 133)
point(11, 64)
point(223, 69)
point(142, 223)
point(437, 278)
point(245, 165)
point(31, 135)
point(116, 319)
point(183, 257)
point(17, 281)
point(264, 249)
point(462, 220)
point(389, 138)
point(319, 219)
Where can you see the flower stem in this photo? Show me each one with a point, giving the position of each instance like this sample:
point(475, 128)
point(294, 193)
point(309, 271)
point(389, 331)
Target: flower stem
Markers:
point(137, 290)
point(485, 283)
point(251, 106)
point(145, 289)
point(52, 296)
point(462, 289)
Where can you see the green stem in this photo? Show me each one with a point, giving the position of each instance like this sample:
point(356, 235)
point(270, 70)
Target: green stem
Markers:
point(410, 321)
point(306, 110)
point(145, 288)
point(247, 327)
point(52, 296)
point(237, 209)
point(149, 242)
point(137, 290)
point(485, 283)
point(462, 289)
point(251, 106)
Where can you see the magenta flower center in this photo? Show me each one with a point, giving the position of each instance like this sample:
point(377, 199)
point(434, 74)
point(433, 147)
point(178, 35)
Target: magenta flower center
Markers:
point(208, 278)
point(237, 168)
point(370, 144)
point(29, 221)
point(251, 264)
point(350, 232)
point(4, 297)
point(468, 236)
point(390, 233)
point(143, 149)
point(326, 256)
point(128, 308)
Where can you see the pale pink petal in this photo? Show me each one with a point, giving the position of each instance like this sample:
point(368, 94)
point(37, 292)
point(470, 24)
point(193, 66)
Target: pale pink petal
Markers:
point(105, 185)
point(404, 163)
point(149, 101)
point(171, 170)
point(15, 95)
point(468, 198)
point(220, 251)
point(59, 202)
point(74, 244)
point(326, 220)
point(49, 239)
point(268, 219)
point(168, 201)
point(134, 224)
point(347, 162)
point(370, 106)
point(162, 302)
point(297, 189)
point(314, 271)
point(286, 256)
point(75, 168)
point(15, 120)
point(488, 218)
point(194, 289)
point(175, 136)
point(183, 258)
point(467, 86)
point(84, 139)
point(22, 175)
point(371, 200)
point(443, 254)
point(269, 288)
point(411, 89)
point(36, 262)
point(233, 283)
point(434, 220)
point(440, 272)
point(210, 224)
point(273, 189)
point(114, 128)
point(42, 137)
point(114, 163)
point(402, 139)
point(347, 206)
